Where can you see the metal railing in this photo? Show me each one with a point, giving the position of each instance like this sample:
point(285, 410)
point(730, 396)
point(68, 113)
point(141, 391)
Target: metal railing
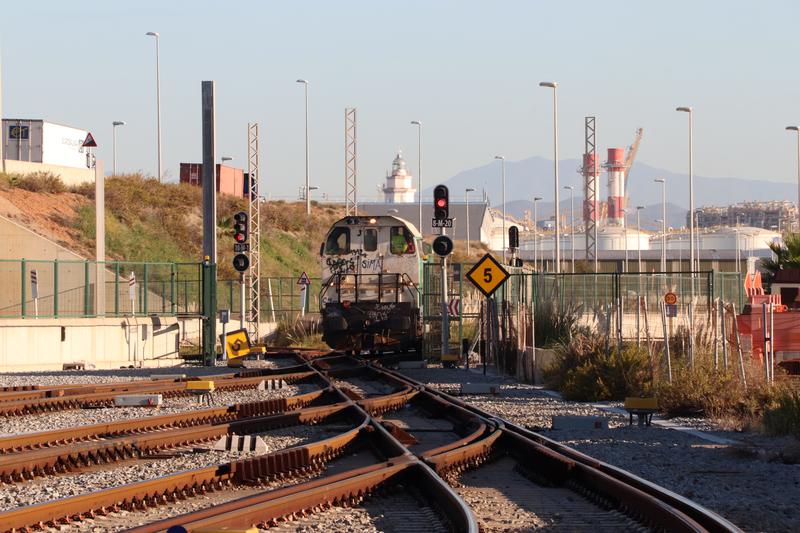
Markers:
point(381, 288)
point(54, 289)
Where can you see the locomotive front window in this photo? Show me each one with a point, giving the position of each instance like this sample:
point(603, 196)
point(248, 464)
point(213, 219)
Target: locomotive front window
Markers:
point(370, 240)
point(338, 242)
point(401, 241)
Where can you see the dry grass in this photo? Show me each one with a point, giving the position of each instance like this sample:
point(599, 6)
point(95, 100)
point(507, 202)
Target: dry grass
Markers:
point(43, 182)
point(297, 334)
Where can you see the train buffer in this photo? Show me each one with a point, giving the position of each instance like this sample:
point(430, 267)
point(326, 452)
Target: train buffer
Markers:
point(643, 408)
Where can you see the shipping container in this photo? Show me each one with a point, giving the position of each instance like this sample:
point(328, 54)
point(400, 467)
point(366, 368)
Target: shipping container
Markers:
point(38, 141)
point(230, 180)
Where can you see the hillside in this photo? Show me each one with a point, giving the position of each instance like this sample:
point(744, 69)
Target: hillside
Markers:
point(150, 221)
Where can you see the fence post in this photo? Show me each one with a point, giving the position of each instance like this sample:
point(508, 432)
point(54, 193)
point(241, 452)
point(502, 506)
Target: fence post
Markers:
point(173, 280)
point(724, 335)
point(86, 287)
point(22, 270)
point(116, 288)
point(145, 288)
point(55, 288)
point(663, 308)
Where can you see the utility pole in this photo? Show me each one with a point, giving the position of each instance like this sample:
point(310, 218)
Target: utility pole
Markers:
point(308, 187)
point(2, 155)
point(209, 223)
point(350, 166)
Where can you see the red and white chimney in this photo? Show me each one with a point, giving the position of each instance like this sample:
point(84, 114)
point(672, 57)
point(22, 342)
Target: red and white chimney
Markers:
point(616, 185)
point(590, 172)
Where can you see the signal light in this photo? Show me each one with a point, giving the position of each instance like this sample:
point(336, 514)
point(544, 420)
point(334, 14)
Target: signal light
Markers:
point(443, 245)
point(513, 237)
point(441, 203)
point(240, 227)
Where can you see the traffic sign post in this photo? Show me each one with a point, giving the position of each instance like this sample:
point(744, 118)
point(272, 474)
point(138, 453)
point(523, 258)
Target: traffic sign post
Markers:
point(488, 275)
point(304, 282)
point(132, 291)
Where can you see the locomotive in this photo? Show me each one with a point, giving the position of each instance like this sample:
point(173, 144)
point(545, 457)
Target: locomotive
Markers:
point(371, 291)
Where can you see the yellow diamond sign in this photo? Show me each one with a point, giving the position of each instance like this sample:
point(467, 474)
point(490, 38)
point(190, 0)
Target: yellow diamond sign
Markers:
point(487, 275)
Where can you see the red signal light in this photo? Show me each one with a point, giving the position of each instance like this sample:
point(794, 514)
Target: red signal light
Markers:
point(441, 202)
point(239, 237)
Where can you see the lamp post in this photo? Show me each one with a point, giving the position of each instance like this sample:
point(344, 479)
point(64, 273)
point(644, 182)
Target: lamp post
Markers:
point(625, 237)
point(536, 231)
point(114, 143)
point(225, 159)
point(418, 124)
point(571, 190)
point(797, 130)
point(639, 237)
point(158, 101)
point(466, 200)
point(692, 252)
point(308, 196)
point(663, 183)
point(554, 85)
point(503, 178)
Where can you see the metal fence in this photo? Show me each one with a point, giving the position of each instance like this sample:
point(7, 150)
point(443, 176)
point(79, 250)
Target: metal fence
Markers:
point(589, 291)
point(280, 298)
point(52, 289)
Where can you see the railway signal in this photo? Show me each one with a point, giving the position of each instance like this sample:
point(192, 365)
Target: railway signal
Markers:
point(443, 245)
point(513, 237)
point(441, 208)
point(240, 245)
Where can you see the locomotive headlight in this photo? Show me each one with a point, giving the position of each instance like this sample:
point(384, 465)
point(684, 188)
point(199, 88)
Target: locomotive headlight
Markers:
point(373, 220)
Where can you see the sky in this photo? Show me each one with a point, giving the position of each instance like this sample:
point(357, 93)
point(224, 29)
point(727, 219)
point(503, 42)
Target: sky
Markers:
point(468, 70)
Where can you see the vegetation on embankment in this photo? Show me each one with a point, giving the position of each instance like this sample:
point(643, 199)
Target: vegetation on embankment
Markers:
point(151, 221)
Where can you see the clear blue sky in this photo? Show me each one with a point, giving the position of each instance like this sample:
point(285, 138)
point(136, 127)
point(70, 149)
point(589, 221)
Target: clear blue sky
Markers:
point(467, 69)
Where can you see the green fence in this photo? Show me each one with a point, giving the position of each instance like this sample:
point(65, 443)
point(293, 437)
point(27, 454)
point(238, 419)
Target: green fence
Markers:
point(280, 298)
point(589, 291)
point(52, 289)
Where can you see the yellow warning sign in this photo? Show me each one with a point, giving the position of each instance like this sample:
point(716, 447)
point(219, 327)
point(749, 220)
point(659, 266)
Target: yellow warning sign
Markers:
point(237, 344)
point(487, 275)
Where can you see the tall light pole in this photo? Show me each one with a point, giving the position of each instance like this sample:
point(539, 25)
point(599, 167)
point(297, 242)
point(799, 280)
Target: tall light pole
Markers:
point(571, 190)
point(503, 178)
point(308, 196)
point(554, 85)
point(114, 143)
point(466, 200)
point(158, 100)
point(418, 124)
point(692, 252)
point(639, 237)
point(663, 183)
point(625, 237)
point(797, 130)
point(225, 159)
point(536, 252)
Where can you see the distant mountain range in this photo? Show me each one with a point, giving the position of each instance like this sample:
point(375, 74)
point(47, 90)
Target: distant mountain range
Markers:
point(534, 177)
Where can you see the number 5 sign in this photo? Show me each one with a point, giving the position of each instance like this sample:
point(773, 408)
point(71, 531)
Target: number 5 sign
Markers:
point(487, 275)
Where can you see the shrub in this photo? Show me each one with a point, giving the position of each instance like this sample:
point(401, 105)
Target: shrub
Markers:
point(297, 333)
point(41, 182)
point(783, 417)
point(555, 324)
point(585, 371)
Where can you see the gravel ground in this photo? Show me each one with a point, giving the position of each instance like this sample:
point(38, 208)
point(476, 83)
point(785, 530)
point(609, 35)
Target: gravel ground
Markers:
point(71, 377)
point(747, 483)
point(63, 419)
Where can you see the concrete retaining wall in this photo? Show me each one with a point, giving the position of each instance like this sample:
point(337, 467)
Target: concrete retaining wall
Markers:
point(69, 175)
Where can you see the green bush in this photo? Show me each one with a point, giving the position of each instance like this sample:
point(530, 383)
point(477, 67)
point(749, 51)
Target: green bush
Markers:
point(297, 333)
point(783, 417)
point(555, 324)
point(585, 371)
point(46, 182)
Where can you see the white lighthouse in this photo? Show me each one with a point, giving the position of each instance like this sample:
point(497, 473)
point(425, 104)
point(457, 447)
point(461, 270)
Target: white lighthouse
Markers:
point(399, 186)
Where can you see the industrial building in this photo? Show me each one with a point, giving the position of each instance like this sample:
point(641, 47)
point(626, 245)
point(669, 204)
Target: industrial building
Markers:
point(779, 215)
point(35, 145)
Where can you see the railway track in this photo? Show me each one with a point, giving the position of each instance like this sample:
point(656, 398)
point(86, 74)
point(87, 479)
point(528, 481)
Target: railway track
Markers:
point(469, 470)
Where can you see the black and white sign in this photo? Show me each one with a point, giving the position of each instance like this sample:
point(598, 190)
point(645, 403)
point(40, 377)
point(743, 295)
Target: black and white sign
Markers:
point(446, 223)
point(241, 247)
point(34, 284)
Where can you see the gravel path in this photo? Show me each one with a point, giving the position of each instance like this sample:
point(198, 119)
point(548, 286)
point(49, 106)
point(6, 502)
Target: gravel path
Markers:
point(746, 483)
point(55, 378)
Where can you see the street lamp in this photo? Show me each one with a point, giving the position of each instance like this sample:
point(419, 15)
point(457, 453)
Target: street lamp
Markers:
point(663, 183)
point(639, 237)
point(466, 200)
point(797, 129)
point(226, 158)
point(419, 169)
point(571, 190)
point(503, 174)
point(554, 85)
point(536, 231)
point(114, 142)
point(625, 237)
point(158, 100)
point(308, 196)
point(692, 253)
